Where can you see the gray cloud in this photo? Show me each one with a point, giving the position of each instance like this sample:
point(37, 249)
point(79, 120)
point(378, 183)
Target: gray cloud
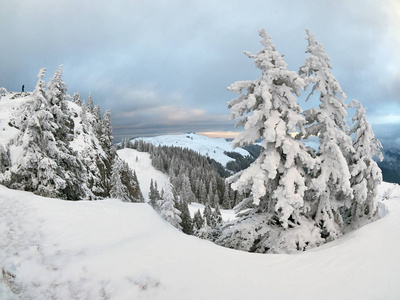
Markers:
point(146, 60)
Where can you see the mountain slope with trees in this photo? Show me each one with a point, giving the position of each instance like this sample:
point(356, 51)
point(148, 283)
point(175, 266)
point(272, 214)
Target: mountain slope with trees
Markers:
point(56, 147)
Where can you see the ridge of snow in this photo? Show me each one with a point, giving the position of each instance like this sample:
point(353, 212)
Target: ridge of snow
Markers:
point(211, 147)
point(114, 250)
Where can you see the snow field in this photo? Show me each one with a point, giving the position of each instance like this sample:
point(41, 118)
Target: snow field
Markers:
point(115, 250)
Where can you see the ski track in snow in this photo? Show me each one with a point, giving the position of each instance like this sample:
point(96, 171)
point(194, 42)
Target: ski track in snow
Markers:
point(55, 249)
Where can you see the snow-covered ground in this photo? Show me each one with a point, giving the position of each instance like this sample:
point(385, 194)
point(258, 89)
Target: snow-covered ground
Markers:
point(213, 148)
point(55, 249)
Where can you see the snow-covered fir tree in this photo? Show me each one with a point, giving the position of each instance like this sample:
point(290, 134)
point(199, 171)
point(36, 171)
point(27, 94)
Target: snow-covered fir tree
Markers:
point(89, 104)
point(167, 209)
point(198, 222)
point(124, 183)
point(187, 222)
point(276, 181)
point(365, 173)
point(330, 186)
point(154, 195)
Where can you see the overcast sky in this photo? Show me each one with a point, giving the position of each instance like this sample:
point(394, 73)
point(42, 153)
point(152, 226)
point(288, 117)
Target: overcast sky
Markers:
point(163, 66)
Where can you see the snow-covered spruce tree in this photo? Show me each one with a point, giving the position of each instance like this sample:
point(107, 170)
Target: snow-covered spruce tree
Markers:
point(89, 104)
point(167, 209)
point(187, 222)
point(365, 173)
point(275, 182)
point(330, 192)
point(98, 157)
point(154, 195)
point(106, 142)
point(67, 160)
point(4, 160)
point(124, 184)
point(198, 222)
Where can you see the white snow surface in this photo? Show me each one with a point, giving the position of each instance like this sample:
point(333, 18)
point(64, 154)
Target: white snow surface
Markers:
point(55, 249)
point(211, 147)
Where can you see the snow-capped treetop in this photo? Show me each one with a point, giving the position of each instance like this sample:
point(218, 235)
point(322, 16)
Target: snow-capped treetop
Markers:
point(90, 105)
point(57, 89)
point(365, 173)
point(364, 141)
point(268, 58)
point(77, 99)
point(40, 90)
point(317, 71)
point(275, 90)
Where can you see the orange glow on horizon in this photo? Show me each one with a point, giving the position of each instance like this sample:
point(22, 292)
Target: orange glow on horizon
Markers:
point(220, 134)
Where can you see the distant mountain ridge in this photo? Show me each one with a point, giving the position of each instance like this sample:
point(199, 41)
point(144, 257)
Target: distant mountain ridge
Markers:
point(217, 148)
point(214, 148)
point(390, 165)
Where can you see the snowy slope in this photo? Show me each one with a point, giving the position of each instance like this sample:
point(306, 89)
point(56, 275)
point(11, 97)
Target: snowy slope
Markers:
point(213, 148)
point(113, 250)
point(141, 163)
point(145, 172)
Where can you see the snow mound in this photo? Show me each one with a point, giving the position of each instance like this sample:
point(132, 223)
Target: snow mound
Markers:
point(114, 250)
point(213, 148)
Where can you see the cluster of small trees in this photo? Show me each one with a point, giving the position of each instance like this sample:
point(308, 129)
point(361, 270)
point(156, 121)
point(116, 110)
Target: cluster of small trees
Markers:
point(44, 160)
point(174, 209)
point(301, 198)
